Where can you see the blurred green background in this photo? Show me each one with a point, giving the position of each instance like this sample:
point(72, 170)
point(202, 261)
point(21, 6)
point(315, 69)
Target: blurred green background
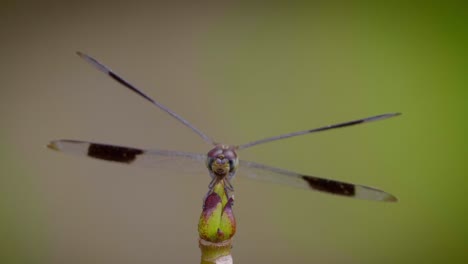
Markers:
point(239, 72)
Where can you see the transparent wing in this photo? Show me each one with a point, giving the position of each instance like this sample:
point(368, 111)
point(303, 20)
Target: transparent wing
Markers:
point(162, 159)
point(263, 172)
point(133, 88)
point(319, 129)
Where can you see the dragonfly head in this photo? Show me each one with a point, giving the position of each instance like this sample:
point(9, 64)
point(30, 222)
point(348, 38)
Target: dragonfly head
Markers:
point(222, 161)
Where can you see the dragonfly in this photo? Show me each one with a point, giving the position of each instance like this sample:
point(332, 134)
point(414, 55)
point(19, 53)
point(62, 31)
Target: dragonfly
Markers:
point(222, 160)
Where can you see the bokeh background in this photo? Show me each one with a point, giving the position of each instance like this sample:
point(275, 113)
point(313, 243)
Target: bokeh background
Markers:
point(239, 72)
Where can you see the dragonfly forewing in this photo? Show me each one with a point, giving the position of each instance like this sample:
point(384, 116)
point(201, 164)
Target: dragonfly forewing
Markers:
point(264, 172)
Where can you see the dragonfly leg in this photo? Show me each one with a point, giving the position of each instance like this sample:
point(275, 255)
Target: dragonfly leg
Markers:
point(228, 188)
point(228, 185)
point(213, 182)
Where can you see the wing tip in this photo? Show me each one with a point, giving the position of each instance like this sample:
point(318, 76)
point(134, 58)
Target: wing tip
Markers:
point(396, 114)
point(385, 116)
point(390, 198)
point(374, 194)
point(54, 145)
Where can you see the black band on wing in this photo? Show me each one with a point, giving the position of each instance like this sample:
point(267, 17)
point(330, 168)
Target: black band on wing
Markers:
point(129, 86)
point(330, 186)
point(113, 153)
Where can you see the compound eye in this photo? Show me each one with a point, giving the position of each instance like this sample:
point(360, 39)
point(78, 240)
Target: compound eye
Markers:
point(209, 163)
point(231, 155)
point(214, 153)
point(233, 163)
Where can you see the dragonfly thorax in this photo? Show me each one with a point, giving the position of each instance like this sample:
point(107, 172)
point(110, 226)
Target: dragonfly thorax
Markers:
point(222, 161)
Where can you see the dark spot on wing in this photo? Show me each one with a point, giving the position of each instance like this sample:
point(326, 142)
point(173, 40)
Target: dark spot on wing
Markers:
point(128, 85)
point(113, 153)
point(330, 186)
point(350, 123)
